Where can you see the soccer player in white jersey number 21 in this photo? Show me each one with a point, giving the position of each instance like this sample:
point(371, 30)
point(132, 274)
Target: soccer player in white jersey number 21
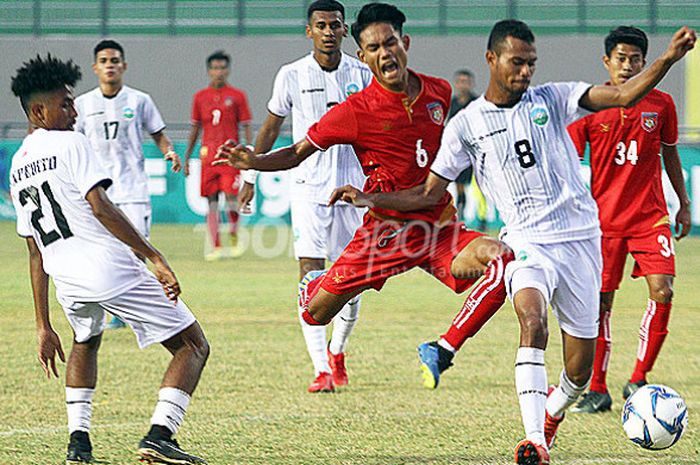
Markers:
point(76, 235)
point(307, 89)
point(525, 163)
point(113, 116)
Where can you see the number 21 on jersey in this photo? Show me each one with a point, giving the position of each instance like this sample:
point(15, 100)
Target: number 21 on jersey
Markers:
point(47, 237)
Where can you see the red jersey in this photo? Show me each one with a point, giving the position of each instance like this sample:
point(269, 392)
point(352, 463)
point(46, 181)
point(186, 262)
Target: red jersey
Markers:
point(395, 140)
point(625, 162)
point(220, 111)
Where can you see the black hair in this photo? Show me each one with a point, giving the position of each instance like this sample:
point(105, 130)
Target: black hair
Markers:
point(629, 35)
point(325, 5)
point(464, 72)
point(108, 43)
point(377, 13)
point(43, 75)
point(509, 28)
point(218, 55)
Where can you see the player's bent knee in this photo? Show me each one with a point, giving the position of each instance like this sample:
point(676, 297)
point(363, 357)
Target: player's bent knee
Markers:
point(663, 293)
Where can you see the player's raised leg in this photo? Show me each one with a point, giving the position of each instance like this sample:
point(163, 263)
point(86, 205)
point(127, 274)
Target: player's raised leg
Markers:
point(483, 255)
point(653, 329)
point(190, 351)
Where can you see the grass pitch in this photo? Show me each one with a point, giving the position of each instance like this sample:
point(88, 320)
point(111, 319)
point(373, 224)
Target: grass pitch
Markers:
point(252, 407)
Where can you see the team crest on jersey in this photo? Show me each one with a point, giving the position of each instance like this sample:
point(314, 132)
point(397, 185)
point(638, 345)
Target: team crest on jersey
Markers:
point(228, 102)
point(539, 116)
point(128, 112)
point(649, 121)
point(436, 112)
point(351, 88)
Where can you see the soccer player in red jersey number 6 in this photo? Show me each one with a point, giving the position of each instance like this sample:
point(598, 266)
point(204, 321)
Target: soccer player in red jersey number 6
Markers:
point(218, 111)
point(394, 127)
point(626, 184)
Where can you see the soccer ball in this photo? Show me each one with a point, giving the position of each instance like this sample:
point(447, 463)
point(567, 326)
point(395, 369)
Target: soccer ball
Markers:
point(655, 417)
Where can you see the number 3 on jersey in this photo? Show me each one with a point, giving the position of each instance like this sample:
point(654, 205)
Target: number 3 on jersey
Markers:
point(32, 193)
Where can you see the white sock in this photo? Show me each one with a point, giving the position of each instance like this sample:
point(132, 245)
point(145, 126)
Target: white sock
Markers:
point(79, 408)
point(564, 395)
point(343, 324)
point(170, 409)
point(531, 384)
point(315, 337)
point(446, 345)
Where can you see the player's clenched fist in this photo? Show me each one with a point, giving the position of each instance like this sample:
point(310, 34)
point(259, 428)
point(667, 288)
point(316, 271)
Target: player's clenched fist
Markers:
point(681, 43)
point(236, 155)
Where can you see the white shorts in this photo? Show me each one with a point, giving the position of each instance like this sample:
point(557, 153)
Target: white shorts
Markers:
point(145, 308)
point(140, 216)
point(568, 274)
point(321, 231)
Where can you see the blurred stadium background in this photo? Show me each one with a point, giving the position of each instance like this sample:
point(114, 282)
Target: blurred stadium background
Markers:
point(166, 43)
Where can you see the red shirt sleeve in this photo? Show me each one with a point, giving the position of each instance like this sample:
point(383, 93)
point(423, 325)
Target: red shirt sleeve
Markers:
point(338, 126)
point(196, 114)
point(578, 131)
point(669, 124)
point(244, 115)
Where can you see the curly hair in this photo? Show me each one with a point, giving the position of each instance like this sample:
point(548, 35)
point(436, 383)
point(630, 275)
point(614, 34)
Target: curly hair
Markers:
point(43, 75)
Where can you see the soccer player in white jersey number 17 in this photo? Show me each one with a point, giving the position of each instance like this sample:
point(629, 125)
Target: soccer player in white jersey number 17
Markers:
point(76, 235)
point(113, 116)
point(525, 163)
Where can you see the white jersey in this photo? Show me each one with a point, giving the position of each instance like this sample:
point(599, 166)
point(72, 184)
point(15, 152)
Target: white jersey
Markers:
point(306, 91)
point(525, 162)
point(50, 176)
point(114, 126)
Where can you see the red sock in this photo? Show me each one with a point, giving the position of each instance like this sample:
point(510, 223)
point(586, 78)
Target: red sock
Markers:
point(213, 227)
point(482, 303)
point(603, 347)
point(652, 333)
point(232, 221)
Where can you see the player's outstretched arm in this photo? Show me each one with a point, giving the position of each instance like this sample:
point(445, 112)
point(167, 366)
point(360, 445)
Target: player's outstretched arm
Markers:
point(49, 344)
point(632, 91)
point(672, 164)
point(241, 157)
point(118, 224)
point(420, 197)
point(165, 145)
point(191, 141)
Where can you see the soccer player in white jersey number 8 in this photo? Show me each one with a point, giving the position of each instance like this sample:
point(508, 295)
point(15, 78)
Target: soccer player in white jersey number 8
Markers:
point(113, 116)
point(307, 89)
point(76, 235)
point(525, 163)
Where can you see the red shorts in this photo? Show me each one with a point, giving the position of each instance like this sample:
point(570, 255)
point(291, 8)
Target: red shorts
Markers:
point(217, 179)
point(381, 249)
point(653, 253)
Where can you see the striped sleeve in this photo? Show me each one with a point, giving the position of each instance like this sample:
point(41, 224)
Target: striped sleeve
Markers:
point(453, 156)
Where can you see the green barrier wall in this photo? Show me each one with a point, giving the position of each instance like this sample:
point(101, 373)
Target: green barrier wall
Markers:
point(176, 199)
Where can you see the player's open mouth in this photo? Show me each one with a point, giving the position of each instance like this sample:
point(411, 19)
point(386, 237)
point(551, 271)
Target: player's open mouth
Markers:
point(390, 69)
